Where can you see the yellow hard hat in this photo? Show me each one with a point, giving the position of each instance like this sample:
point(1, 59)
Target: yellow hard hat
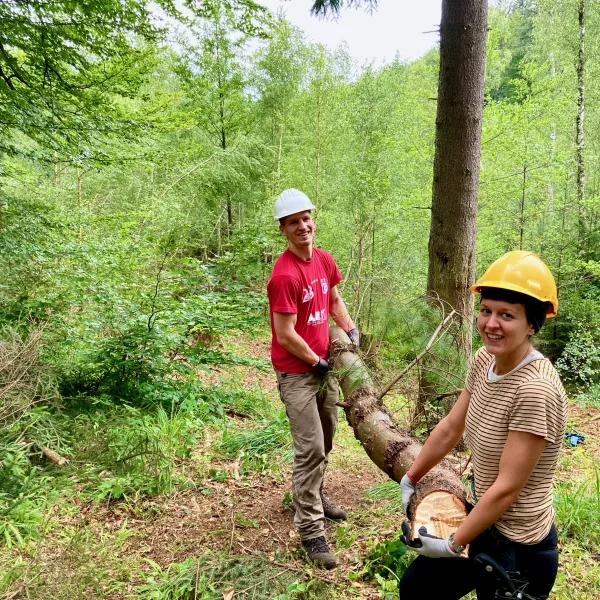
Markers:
point(523, 272)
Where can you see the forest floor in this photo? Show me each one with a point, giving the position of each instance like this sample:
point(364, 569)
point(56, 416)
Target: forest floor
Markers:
point(232, 536)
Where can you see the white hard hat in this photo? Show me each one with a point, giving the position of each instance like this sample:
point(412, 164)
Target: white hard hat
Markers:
point(290, 202)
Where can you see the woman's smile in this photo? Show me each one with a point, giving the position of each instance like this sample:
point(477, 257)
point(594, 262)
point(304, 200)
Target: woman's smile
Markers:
point(505, 332)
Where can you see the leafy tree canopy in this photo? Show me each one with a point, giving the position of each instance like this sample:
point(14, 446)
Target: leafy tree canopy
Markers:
point(65, 64)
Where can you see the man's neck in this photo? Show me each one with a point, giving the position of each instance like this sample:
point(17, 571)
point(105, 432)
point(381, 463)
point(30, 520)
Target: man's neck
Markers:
point(304, 252)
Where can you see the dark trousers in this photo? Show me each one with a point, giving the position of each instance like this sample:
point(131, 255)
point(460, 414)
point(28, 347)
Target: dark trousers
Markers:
point(453, 578)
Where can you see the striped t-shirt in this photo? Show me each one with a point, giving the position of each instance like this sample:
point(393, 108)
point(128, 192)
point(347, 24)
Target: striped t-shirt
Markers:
point(531, 398)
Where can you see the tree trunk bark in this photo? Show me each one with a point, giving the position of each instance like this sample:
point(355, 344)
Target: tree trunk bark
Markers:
point(439, 501)
point(580, 139)
point(457, 154)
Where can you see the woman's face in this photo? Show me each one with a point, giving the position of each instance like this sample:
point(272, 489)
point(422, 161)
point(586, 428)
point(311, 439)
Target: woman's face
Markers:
point(503, 327)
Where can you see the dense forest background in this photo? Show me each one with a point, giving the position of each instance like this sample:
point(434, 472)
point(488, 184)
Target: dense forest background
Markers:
point(140, 156)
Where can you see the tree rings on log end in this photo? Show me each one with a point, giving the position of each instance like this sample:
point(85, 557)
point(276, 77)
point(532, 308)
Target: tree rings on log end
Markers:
point(441, 512)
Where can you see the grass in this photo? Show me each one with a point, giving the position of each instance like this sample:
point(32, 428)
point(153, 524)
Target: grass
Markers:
point(578, 511)
point(389, 491)
point(75, 563)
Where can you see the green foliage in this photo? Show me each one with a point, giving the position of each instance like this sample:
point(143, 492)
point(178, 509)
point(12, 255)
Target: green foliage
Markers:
point(22, 497)
point(133, 452)
point(386, 562)
point(287, 503)
point(136, 236)
point(209, 576)
point(261, 447)
point(68, 67)
point(589, 396)
point(580, 359)
point(388, 491)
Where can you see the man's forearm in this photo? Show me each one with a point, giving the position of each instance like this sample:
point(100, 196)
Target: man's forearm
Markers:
point(295, 345)
point(341, 316)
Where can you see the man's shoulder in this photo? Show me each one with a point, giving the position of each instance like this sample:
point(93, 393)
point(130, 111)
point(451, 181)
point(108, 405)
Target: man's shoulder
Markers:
point(322, 253)
point(283, 266)
point(325, 257)
point(283, 272)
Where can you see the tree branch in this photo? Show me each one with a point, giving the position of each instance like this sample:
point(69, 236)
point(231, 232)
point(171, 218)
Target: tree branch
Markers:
point(415, 361)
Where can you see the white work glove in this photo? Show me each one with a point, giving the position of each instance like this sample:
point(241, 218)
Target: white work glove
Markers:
point(431, 546)
point(407, 487)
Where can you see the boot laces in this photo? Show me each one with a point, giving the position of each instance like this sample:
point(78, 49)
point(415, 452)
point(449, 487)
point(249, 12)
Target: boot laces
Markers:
point(318, 545)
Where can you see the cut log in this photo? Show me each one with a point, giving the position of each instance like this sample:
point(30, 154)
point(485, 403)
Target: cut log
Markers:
point(439, 500)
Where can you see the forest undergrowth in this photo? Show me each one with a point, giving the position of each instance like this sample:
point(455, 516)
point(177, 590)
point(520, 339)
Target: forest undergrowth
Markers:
point(144, 452)
point(187, 502)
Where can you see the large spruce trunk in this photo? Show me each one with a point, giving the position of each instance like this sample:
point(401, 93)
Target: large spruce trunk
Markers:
point(457, 153)
point(439, 501)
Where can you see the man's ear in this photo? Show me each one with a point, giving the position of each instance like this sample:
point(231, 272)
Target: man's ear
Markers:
point(282, 229)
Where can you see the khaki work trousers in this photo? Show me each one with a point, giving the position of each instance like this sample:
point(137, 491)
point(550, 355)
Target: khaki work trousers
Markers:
point(310, 403)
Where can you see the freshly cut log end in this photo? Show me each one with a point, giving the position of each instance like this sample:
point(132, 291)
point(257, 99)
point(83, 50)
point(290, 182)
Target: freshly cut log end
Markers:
point(440, 512)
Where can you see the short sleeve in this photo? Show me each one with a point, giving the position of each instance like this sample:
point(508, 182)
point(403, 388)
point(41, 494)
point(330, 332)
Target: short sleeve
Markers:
point(537, 409)
point(335, 276)
point(475, 370)
point(333, 273)
point(283, 292)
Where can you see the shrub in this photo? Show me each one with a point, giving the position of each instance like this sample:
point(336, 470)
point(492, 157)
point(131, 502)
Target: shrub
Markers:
point(580, 360)
point(23, 381)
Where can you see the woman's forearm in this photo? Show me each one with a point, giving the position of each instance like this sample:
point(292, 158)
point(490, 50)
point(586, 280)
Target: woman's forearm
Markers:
point(492, 505)
point(442, 439)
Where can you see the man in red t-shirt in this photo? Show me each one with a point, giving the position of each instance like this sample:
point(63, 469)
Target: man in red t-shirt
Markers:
point(302, 296)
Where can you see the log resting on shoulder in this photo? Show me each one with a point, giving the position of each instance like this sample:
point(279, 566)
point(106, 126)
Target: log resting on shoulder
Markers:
point(439, 500)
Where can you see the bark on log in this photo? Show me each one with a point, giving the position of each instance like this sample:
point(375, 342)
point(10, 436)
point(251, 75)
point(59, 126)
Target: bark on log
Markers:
point(439, 501)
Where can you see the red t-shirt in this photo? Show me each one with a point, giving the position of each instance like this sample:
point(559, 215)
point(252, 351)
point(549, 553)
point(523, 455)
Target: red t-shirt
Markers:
point(302, 287)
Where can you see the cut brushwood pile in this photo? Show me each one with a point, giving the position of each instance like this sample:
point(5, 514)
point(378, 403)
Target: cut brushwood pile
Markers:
point(439, 500)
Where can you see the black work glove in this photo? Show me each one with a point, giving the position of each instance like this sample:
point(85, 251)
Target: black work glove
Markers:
point(322, 366)
point(353, 335)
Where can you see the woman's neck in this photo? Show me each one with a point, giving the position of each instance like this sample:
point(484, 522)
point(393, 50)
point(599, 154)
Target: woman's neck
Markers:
point(505, 364)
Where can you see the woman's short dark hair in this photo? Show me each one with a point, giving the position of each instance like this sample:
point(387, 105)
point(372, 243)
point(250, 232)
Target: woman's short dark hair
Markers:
point(535, 310)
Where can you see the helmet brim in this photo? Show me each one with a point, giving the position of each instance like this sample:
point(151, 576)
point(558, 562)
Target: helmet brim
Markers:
point(551, 308)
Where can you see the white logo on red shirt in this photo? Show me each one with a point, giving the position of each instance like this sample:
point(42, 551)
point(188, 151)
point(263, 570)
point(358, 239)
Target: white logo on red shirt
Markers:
point(308, 294)
point(324, 285)
point(318, 317)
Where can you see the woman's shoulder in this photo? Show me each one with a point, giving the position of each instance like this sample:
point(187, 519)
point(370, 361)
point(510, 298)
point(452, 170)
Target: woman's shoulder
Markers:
point(481, 358)
point(540, 368)
point(540, 374)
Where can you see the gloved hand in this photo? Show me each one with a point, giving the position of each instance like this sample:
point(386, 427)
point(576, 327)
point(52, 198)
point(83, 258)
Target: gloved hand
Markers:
point(428, 545)
point(407, 487)
point(354, 337)
point(322, 366)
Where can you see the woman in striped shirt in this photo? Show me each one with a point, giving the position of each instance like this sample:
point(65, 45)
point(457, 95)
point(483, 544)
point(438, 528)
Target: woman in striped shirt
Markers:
point(513, 412)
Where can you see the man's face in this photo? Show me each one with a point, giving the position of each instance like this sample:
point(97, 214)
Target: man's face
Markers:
point(299, 229)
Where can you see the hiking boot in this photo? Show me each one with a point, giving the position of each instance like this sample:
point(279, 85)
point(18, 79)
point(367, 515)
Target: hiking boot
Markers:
point(318, 552)
point(331, 511)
